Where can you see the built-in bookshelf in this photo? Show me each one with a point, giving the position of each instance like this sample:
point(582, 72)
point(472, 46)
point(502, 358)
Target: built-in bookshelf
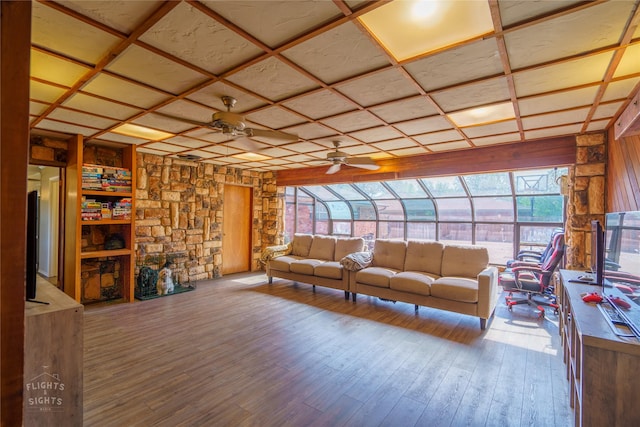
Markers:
point(99, 222)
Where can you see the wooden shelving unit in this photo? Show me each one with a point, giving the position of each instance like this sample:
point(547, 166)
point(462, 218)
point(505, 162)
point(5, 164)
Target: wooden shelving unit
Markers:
point(74, 254)
point(602, 368)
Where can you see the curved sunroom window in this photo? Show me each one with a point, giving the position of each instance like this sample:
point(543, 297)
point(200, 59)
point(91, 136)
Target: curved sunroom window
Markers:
point(503, 211)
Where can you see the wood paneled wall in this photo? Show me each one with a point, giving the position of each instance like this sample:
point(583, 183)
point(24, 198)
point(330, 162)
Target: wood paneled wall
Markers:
point(550, 152)
point(623, 174)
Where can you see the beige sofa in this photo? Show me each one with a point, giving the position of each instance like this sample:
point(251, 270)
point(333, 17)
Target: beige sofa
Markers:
point(429, 273)
point(312, 259)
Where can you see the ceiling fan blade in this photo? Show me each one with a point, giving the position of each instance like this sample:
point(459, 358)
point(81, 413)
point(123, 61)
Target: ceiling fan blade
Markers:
point(333, 169)
point(362, 162)
point(276, 134)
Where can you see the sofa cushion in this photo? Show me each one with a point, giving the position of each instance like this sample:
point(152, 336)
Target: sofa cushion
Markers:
point(348, 246)
point(375, 276)
point(389, 254)
point(456, 289)
point(323, 247)
point(304, 266)
point(282, 263)
point(424, 255)
point(301, 244)
point(414, 282)
point(329, 269)
point(464, 261)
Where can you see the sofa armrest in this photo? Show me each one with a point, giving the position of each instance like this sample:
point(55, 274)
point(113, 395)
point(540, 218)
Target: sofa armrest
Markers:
point(356, 261)
point(271, 252)
point(487, 292)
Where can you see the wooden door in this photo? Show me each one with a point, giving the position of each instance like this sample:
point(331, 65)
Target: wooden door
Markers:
point(236, 229)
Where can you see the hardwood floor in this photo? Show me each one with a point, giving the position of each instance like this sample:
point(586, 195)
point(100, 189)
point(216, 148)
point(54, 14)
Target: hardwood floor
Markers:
point(238, 352)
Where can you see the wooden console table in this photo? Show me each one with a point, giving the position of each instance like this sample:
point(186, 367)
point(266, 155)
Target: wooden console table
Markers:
point(603, 369)
point(53, 357)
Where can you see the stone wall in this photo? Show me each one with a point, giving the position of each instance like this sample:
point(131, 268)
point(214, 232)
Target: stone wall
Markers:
point(586, 198)
point(179, 214)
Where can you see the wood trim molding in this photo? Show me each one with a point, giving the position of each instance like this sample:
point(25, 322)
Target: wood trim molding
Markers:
point(15, 39)
point(551, 152)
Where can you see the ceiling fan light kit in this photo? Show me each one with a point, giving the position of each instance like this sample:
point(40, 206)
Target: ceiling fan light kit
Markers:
point(339, 158)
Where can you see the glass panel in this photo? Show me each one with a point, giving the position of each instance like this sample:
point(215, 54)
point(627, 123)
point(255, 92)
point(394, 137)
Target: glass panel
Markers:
point(488, 184)
point(454, 209)
point(540, 208)
point(534, 237)
point(322, 219)
point(366, 230)
point(494, 209)
point(391, 230)
point(407, 188)
point(446, 186)
point(421, 230)
point(389, 210)
point(498, 239)
point(342, 228)
point(320, 192)
point(346, 191)
point(544, 181)
point(339, 210)
point(289, 214)
point(374, 190)
point(419, 210)
point(363, 210)
point(304, 214)
point(457, 234)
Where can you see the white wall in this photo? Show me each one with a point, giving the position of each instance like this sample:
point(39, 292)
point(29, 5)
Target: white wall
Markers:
point(48, 233)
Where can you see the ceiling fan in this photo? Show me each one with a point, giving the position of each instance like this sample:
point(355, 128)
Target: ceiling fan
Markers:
point(233, 124)
point(339, 158)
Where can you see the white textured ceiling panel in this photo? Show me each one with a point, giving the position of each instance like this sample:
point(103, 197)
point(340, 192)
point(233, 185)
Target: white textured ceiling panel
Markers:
point(405, 109)
point(630, 63)
point(491, 129)
point(395, 144)
point(310, 131)
point(211, 96)
point(85, 119)
point(189, 34)
point(618, 89)
point(586, 30)
point(555, 119)
point(376, 134)
point(44, 92)
point(61, 127)
point(480, 93)
point(436, 137)
point(273, 79)
point(558, 101)
point(275, 23)
point(275, 117)
point(350, 122)
point(376, 88)
point(122, 15)
point(553, 131)
point(566, 74)
point(98, 106)
point(37, 108)
point(496, 139)
point(607, 110)
point(460, 64)
point(187, 142)
point(135, 63)
point(515, 11)
point(338, 54)
point(320, 104)
point(55, 69)
point(448, 146)
point(125, 91)
point(418, 126)
point(59, 32)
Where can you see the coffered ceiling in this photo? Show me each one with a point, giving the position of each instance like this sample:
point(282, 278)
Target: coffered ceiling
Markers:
point(330, 70)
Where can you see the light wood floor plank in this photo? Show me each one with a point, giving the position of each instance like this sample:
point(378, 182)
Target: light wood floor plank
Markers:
point(240, 352)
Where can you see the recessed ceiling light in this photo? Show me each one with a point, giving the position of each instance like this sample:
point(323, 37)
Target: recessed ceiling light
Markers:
point(410, 28)
point(483, 115)
point(142, 132)
point(251, 156)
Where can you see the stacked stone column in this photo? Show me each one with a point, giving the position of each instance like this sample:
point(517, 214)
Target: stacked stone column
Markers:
point(586, 198)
